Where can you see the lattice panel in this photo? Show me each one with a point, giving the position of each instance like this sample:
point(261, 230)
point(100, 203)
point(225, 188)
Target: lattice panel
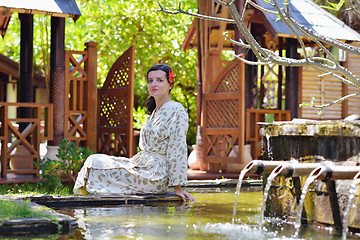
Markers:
point(115, 104)
point(113, 111)
point(76, 64)
point(76, 124)
point(25, 138)
point(221, 145)
point(230, 83)
point(120, 77)
point(222, 113)
point(112, 144)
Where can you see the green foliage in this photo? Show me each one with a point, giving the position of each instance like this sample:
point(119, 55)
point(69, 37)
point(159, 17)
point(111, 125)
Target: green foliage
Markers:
point(140, 117)
point(334, 6)
point(72, 157)
point(71, 160)
point(116, 25)
point(52, 171)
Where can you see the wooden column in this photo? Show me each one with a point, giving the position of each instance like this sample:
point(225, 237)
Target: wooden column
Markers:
point(280, 75)
point(25, 83)
point(292, 80)
point(250, 81)
point(57, 77)
point(91, 98)
point(238, 49)
point(199, 77)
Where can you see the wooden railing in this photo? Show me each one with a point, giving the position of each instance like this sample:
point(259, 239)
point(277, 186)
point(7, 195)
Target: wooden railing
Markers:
point(81, 96)
point(21, 136)
point(253, 116)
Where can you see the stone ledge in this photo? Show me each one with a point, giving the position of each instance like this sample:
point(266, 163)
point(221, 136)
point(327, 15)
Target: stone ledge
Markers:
point(94, 199)
point(305, 127)
point(59, 223)
point(37, 225)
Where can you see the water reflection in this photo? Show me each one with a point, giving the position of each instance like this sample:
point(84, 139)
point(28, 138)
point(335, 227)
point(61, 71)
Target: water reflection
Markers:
point(164, 220)
point(208, 218)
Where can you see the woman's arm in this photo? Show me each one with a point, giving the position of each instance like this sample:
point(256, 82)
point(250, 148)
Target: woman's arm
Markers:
point(183, 194)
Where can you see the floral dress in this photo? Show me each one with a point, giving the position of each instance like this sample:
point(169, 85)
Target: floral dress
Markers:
point(162, 161)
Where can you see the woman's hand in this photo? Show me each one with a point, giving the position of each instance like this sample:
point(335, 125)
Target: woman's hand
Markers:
point(183, 194)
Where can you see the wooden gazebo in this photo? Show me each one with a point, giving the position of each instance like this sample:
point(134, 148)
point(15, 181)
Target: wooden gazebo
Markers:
point(234, 96)
point(72, 91)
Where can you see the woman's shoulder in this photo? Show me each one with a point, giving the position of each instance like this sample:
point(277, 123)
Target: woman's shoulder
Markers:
point(176, 107)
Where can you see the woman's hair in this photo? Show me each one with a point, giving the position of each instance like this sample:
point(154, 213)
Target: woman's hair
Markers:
point(150, 101)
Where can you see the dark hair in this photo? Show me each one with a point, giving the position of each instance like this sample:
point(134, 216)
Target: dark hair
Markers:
point(150, 101)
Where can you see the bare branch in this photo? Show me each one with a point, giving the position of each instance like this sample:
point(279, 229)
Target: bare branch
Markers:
point(290, 27)
point(225, 3)
point(251, 62)
point(261, 8)
point(179, 10)
point(332, 103)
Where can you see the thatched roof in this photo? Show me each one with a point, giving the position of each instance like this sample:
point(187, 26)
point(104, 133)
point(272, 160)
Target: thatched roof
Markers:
point(57, 8)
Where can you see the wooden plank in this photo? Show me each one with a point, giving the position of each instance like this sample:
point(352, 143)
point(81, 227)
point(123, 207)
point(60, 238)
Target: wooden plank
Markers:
point(23, 171)
point(221, 131)
point(217, 159)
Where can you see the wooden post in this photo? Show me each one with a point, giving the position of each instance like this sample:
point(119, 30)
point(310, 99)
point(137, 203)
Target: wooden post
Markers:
point(91, 97)
point(199, 78)
point(345, 103)
point(130, 127)
point(25, 84)
point(292, 80)
point(4, 134)
point(280, 76)
point(57, 77)
point(250, 82)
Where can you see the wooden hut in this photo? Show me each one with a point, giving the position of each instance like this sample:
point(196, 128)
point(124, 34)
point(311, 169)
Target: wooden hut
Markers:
point(233, 96)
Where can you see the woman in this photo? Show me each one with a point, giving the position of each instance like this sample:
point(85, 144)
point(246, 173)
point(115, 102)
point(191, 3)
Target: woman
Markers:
point(163, 159)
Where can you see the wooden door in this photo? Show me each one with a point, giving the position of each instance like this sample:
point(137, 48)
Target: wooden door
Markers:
point(224, 118)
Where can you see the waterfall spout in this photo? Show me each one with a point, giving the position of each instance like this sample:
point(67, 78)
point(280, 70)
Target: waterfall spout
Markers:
point(237, 192)
point(352, 192)
point(270, 179)
point(311, 178)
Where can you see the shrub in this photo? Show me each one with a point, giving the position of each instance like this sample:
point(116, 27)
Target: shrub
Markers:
point(71, 160)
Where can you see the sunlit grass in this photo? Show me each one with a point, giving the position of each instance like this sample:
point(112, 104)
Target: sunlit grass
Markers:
point(36, 189)
point(17, 209)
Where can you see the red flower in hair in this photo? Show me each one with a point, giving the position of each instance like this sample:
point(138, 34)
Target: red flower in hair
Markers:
point(171, 76)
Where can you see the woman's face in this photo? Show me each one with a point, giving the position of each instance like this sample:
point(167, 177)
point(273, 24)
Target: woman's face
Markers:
point(158, 85)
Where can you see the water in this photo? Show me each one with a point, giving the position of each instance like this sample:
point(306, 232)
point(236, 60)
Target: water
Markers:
point(270, 179)
point(208, 218)
point(269, 149)
point(237, 192)
point(310, 179)
point(352, 192)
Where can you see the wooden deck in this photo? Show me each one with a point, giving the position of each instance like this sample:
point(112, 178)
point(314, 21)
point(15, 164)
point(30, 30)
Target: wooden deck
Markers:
point(12, 179)
point(203, 175)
